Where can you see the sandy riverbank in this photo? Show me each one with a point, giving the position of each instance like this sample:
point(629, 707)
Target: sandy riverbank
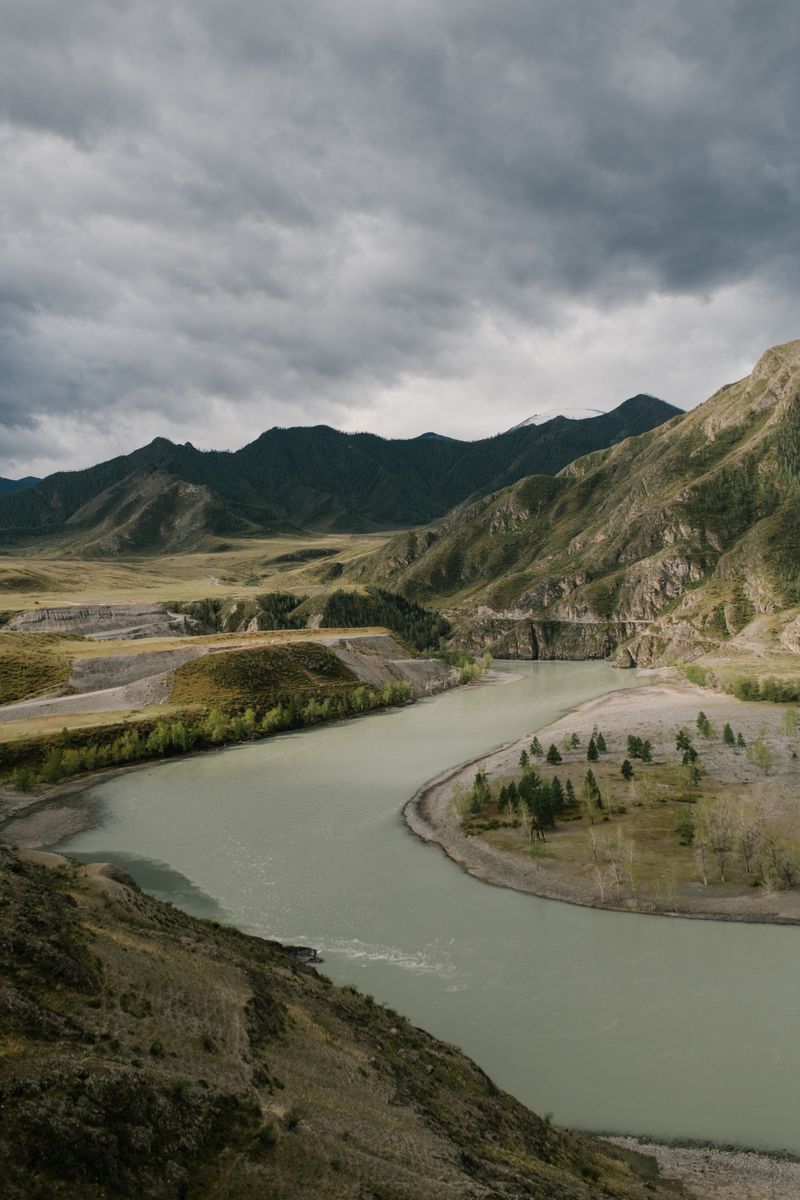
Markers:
point(656, 712)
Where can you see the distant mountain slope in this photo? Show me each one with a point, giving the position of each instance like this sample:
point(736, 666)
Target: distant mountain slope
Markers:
point(694, 525)
point(167, 496)
point(7, 486)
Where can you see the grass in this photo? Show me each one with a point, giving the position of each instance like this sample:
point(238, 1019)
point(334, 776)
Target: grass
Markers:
point(46, 573)
point(31, 664)
point(637, 827)
point(260, 676)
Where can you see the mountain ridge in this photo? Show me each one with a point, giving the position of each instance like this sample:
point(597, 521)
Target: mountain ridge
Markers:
point(168, 496)
point(7, 486)
point(688, 529)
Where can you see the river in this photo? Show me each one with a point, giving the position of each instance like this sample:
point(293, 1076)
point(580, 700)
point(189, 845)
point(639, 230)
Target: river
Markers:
point(651, 1025)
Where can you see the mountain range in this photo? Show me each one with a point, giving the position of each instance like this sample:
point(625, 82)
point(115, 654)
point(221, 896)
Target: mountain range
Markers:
point(693, 525)
point(169, 497)
point(7, 486)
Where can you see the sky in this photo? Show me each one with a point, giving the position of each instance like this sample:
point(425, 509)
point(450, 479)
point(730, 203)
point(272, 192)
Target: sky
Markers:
point(216, 217)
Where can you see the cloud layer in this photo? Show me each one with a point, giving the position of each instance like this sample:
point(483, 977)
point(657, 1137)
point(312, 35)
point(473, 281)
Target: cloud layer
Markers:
point(220, 217)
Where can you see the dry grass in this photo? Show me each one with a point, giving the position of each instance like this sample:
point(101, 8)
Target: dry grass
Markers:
point(31, 664)
point(31, 727)
point(46, 574)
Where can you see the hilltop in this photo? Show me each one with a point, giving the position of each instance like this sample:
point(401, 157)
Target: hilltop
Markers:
point(7, 486)
point(151, 1054)
point(670, 542)
point(167, 497)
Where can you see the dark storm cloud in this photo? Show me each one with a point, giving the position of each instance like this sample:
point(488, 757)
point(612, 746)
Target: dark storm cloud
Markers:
point(286, 209)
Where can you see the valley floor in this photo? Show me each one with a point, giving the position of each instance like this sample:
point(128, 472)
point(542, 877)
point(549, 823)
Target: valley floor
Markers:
point(630, 858)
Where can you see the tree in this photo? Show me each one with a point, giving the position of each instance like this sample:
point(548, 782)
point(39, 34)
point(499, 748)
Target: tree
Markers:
point(570, 799)
point(591, 751)
point(740, 742)
point(536, 748)
point(789, 722)
point(634, 746)
point(52, 768)
point(553, 756)
point(684, 828)
point(523, 759)
point(600, 742)
point(683, 741)
point(537, 800)
point(591, 795)
point(703, 723)
point(716, 829)
point(626, 770)
point(646, 753)
point(728, 736)
point(556, 795)
point(542, 811)
point(575, 740)
point(760, 753)
point(750, 837)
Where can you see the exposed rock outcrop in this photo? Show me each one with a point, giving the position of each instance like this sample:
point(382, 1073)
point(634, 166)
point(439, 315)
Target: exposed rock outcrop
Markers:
point(103, 621)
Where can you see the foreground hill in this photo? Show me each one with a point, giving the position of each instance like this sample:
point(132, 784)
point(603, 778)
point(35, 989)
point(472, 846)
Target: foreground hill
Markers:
point(670, 541)
point(168, 497)
point(151, 1055)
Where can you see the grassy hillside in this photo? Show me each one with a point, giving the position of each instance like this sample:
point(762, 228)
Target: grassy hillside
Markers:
point(172, 497)
point(672, 540)
point(264, 676)
point(147, 1054)
point(31, 664)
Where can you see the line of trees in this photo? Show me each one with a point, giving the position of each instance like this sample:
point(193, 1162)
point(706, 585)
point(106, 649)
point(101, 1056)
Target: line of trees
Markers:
point(81, 751)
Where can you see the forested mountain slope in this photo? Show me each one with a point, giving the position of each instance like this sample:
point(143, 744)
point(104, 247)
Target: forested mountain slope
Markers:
point(694, 525)
point(7, 486)
point(167, 496)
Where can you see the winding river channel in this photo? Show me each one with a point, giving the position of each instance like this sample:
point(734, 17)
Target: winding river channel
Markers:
point(652, 1025)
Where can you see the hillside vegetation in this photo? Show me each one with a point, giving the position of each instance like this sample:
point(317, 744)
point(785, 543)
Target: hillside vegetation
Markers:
point(31, 664)
point(669, 542)
point(171, 497)
point(148, 1054)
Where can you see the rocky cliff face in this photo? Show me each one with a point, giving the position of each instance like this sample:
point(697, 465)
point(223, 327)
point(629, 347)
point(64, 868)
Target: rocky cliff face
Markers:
point(663, 544)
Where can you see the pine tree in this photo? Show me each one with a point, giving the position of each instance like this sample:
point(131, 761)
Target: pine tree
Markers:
point(553, 756)
point(728, 736)
point(523, 759)
point(627, 770)
point(600, 742)
point(591, 751)
point(536, 748)
point(634, 746)
point(646, 753)
point(740, 742)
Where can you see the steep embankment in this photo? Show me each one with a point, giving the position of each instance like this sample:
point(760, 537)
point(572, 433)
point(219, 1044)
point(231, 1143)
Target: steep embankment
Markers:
point(668, 543)
point(149, 1054)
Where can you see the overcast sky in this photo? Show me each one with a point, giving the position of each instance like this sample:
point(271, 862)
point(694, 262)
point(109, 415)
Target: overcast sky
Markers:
point(221, 215)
